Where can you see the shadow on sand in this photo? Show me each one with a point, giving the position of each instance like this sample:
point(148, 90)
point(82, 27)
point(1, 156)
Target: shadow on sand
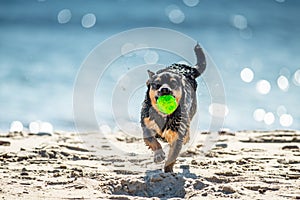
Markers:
point(163, 185)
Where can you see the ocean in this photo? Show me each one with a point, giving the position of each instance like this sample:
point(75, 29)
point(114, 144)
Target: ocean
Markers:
point(44, 45)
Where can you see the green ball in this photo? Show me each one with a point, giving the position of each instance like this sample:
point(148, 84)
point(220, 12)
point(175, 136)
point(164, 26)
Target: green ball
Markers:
point(166, 104)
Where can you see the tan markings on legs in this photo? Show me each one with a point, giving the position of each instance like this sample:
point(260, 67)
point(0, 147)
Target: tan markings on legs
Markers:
point(170, 136)
point(186, 138)
point(150, 124)
point(152, 143)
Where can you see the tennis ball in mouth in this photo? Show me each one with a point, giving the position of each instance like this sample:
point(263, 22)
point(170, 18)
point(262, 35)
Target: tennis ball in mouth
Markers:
point(166, 104)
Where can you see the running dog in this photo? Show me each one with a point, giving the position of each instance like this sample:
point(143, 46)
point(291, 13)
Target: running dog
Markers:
point(178, 80)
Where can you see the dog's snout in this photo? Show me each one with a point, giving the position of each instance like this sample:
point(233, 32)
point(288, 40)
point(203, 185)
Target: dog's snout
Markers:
point(164, 91)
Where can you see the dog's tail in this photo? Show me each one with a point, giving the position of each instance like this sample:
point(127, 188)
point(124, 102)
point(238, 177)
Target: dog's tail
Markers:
point(201, 61)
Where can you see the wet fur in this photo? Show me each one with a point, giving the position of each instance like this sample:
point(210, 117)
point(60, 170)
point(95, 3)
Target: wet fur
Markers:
point(173, 128)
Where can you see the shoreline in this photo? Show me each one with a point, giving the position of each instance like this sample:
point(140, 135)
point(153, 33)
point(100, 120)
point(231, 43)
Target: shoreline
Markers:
point(62, 165)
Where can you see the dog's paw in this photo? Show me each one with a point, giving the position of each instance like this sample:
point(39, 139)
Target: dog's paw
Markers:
point(159, 156)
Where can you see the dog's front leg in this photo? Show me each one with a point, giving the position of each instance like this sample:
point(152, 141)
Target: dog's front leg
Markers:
point(154, 145)
point(174, 151)
point(175, 139)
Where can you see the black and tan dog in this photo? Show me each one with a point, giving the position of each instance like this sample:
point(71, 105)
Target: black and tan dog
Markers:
point(177, 80)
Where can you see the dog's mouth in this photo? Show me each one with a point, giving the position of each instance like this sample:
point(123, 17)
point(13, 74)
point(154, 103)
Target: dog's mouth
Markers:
point(157, 97)
point(163, 92)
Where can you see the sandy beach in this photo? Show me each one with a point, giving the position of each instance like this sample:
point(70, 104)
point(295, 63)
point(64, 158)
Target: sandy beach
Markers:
point(242, 165)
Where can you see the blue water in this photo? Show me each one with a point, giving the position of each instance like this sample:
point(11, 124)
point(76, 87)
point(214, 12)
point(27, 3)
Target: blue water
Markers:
point(40, 58)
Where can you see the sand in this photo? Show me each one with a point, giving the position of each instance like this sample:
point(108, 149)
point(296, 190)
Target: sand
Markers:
point(64, 165)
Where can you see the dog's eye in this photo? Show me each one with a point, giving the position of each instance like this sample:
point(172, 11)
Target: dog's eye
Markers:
point(173, 84)
point(155, 86)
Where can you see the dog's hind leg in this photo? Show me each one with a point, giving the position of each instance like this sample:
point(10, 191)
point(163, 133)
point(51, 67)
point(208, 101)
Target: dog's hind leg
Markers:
point(154, 145)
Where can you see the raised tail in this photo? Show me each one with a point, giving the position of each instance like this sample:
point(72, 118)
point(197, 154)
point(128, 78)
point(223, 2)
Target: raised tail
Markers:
point(201, 61)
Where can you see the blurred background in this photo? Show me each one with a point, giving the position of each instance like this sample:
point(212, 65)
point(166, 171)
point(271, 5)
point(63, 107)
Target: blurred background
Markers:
point(254, 44)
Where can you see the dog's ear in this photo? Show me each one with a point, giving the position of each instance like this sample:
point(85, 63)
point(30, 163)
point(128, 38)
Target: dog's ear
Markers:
point(151, 74)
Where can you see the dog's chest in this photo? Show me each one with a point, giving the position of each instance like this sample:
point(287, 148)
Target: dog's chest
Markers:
point(163, 123)
point(166, 131)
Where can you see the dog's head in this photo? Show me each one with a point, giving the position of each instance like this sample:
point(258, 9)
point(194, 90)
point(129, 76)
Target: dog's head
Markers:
point(164, 83)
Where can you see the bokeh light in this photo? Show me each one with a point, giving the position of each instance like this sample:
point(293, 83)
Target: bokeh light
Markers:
point(16, 126)
point(151, 57)
point(263, 86)
point(259, 114)
point(175, 14)
point(191, 3)
point(218, 110)
point(64, 16)
point(296, 78)
point(269, 118)
point(46, 127)
point(283, 83)
point(247, 75)
point(34, 127)
point(286, 120)
point(239, 22)
point(88, 20)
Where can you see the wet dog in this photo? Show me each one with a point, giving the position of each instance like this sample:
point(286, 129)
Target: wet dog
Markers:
point(178, 80)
